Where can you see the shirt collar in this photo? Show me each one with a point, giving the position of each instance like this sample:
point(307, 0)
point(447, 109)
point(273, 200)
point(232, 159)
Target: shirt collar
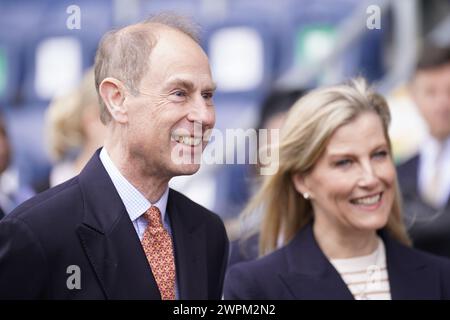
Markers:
point(135, 202)
point(431, 147)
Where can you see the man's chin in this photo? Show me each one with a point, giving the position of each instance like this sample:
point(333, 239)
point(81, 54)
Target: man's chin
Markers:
point(187, 169)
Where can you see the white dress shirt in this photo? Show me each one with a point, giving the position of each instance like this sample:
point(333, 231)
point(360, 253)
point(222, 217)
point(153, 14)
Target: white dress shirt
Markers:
point(135, 202)
point(428, 153)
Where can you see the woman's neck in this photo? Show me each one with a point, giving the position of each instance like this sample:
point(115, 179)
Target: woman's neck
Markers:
point(344, 243)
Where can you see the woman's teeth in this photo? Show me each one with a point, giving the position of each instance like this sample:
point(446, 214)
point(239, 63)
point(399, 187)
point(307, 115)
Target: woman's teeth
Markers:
point(367, 200)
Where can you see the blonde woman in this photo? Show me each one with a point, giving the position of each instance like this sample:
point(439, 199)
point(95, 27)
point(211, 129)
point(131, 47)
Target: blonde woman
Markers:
point(74, 129)
point(334, 209)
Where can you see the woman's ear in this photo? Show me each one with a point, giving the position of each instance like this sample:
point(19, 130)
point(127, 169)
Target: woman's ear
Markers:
point(112, 93)
point(299, 182)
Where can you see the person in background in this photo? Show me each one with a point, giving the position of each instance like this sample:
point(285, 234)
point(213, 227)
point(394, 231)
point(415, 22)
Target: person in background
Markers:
point(332, 225)
point(12, 193)
point(74, 129)
point(116, 230)
point(425, 178)
point(244, 180)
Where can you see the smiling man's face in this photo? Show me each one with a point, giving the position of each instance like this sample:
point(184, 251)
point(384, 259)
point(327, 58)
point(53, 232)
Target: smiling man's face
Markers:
point(174, 106)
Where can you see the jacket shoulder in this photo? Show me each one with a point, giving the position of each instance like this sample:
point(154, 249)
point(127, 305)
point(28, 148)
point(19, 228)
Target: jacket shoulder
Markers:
point(438, 265)
point(51, 201)
point(429, 259)
point(255, 279)
point(274, 262)
point(194, 208)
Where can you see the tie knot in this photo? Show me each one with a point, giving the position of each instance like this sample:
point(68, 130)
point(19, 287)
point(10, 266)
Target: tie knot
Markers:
point(153, 216)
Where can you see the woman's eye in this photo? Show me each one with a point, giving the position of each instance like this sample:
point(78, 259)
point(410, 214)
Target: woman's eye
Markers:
point(381, 154)
point(343, 163)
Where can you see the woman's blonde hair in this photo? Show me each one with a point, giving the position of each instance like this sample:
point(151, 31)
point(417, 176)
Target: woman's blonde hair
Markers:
point(309, 125)
point(65, 116)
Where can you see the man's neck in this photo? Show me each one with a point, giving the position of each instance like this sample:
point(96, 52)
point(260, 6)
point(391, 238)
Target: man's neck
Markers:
point(151, 186)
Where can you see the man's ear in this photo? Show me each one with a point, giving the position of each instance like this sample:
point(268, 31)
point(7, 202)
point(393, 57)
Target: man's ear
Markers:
point(112, 92)
point(300, 185)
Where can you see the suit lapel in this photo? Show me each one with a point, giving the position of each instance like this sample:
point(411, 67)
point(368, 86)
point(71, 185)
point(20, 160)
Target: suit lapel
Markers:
point(110, 240)
point(190, 252)
point(310, 275)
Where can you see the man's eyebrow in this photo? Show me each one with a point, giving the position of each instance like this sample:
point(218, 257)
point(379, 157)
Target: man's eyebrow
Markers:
point(181, 83)
point(211, 87)
point(189, 85)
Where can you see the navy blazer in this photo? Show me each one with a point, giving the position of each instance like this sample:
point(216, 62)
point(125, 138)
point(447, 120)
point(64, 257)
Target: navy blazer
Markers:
point(300, 270)
point(83, 222)
point(428, 227)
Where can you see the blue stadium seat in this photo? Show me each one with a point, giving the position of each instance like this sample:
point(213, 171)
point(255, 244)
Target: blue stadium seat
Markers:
point(57, 56)
point(26, 133)
point(311, 32)
point(241, 56)
point(19, 19)
point(9, 69)
point(190, 8)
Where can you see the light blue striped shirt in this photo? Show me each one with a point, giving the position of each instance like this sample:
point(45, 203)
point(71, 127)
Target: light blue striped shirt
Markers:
point(135, 202)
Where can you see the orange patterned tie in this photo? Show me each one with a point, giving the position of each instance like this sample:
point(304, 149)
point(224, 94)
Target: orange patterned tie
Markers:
point(158, 248)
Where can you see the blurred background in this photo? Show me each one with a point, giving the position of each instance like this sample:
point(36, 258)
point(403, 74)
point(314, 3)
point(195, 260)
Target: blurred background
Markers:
point(257, 48)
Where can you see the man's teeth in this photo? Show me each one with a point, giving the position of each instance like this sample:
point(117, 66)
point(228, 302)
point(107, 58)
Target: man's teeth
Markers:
point(368, 200)
point(187, 140)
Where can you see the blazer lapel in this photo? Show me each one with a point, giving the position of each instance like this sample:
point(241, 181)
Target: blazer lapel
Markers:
point(310, 275)
point(409, 277)
point(190, 252)
point(110, 240)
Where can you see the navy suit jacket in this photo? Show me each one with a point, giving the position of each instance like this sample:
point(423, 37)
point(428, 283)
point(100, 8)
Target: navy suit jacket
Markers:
point(429, 228)
point(300, 270)
point(83, 222)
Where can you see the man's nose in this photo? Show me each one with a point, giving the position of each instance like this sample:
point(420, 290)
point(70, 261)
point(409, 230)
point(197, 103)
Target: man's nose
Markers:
point(202, 112)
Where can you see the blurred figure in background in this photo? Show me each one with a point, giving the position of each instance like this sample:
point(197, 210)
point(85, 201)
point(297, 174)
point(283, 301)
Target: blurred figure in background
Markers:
point(74, 129)
point(425, 178)
point(332, 226)
point(245, 179)
point(11, 192)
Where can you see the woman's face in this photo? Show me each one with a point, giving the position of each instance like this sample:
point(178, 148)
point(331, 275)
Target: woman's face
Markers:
point(352, 185)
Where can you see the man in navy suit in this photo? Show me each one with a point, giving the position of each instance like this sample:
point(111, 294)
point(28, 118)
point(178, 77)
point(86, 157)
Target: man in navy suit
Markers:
point(85, 239)
point(425, 178)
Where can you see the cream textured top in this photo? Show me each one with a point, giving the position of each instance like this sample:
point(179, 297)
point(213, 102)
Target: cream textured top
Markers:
point(366, 276)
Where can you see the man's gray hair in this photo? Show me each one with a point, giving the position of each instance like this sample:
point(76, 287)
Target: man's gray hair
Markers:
point(124, 53)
